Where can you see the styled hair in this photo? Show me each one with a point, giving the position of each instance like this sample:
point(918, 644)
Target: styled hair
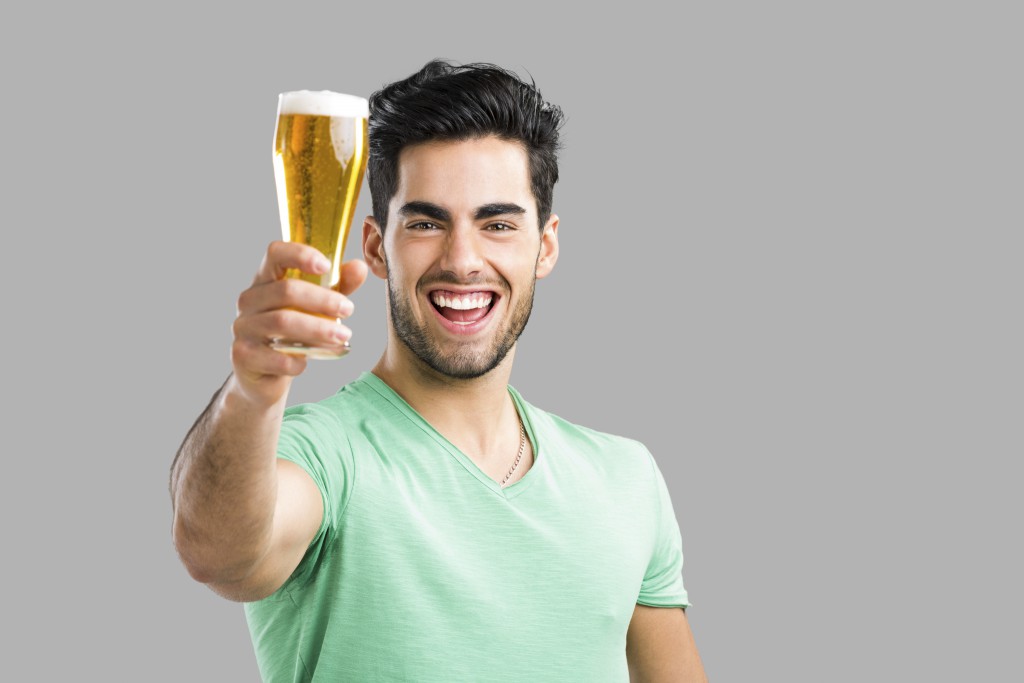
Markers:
point(448, 102)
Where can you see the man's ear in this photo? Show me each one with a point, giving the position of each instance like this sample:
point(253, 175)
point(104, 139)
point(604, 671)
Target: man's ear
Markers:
point(548, 247)
point(373, 248)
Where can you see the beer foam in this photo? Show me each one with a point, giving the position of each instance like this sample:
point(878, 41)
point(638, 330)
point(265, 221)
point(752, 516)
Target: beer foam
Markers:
point(322, 103)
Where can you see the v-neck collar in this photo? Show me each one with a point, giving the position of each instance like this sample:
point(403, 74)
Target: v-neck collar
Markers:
point(508, 492)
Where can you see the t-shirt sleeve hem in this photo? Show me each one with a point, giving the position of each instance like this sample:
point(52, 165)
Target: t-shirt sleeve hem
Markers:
point(671, 601)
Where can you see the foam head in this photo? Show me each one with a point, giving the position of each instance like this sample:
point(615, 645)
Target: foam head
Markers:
point(322, 103)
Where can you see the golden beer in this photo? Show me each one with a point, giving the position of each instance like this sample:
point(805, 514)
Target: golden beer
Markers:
point(320, 151)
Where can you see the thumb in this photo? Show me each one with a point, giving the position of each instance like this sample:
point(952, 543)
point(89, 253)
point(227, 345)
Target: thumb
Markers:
point(353, 274)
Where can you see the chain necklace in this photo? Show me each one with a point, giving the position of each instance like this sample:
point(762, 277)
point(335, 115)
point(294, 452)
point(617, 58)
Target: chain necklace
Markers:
point(522, 447)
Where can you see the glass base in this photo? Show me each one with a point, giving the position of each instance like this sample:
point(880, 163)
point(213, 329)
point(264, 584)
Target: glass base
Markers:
point(297, 349)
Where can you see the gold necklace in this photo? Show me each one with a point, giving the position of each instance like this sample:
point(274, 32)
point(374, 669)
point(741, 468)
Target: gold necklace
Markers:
point(522, 447)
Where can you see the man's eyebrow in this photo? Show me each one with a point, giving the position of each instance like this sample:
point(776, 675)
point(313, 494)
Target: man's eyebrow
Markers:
point(427, 209)
point(492, 210)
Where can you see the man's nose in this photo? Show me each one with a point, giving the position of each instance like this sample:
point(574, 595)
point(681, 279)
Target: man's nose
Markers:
point(462, 255)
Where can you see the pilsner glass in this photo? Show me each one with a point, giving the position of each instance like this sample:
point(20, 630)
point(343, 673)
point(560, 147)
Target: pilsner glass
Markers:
point(320, 150)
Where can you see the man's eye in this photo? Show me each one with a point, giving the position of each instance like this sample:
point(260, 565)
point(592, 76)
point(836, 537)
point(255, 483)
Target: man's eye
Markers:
point(423, 225)
point(500, 227)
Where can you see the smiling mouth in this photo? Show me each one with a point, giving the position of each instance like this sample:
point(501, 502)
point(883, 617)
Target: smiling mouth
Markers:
point(463, 308)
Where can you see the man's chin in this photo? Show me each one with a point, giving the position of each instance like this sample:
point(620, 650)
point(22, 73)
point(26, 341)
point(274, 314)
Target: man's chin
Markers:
point(459, 368)
point(470, 357)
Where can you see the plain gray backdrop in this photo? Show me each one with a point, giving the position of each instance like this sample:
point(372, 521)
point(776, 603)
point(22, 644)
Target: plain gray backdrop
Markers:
point(791, 254)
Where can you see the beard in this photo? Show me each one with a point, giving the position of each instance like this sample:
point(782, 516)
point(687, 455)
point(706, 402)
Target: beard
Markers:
point(464, 361)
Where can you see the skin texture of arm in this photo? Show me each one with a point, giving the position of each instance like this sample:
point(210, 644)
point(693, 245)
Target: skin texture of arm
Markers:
point(660, 647)
point(243, 518)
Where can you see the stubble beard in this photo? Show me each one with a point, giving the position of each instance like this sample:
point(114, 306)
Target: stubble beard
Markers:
point(463, 362)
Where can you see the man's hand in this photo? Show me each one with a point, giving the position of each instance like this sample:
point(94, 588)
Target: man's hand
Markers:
point(278, 308)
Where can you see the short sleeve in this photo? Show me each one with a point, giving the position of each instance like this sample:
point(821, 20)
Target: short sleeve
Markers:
point(311, 437)
point(663, 581)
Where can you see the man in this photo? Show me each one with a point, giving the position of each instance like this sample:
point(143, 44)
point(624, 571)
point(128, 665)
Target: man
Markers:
point(426, 523)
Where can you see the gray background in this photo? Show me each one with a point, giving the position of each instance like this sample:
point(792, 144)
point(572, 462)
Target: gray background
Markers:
point(790, 265)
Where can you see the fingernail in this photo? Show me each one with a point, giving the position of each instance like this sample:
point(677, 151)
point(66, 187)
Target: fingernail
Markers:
point(345, 309)
point(323, 264)
point(342, 333)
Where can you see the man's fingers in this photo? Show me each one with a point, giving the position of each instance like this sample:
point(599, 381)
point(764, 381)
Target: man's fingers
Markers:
point(353, 274)
point(256, 361)
point(280, 308)
point(281, 256)
point(295, 326)
point(297, 294)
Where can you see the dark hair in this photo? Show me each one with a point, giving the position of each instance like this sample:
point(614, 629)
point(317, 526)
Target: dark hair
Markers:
point(443, 101)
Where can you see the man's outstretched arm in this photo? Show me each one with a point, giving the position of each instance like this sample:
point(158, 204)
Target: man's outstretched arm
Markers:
point(242, 517)
point(660, 647)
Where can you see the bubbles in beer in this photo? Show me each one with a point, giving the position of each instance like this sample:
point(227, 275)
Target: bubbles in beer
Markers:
point(320, 153)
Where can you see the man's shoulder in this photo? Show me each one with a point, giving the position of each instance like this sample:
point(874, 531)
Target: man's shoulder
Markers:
point(554, 425)
point(367, 389)
point(356, 400)
point(593, 456)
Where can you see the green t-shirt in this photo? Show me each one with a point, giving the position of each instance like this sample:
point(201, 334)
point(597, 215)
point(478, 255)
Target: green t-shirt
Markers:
point(426, 569)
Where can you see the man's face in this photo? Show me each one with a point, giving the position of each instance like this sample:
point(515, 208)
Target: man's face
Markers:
point(461, 253)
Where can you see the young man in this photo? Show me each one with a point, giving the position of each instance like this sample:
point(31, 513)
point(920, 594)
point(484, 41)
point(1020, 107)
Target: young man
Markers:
point(426, 523)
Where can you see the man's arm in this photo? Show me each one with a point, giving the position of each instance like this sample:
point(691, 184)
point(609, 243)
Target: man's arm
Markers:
point(242, 518)
point(660, 647)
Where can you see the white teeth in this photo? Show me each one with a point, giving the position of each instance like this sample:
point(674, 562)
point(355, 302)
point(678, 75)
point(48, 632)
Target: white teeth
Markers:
point(462, 303)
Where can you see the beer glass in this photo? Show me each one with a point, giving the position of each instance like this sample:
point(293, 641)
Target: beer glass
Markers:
point(320, 150)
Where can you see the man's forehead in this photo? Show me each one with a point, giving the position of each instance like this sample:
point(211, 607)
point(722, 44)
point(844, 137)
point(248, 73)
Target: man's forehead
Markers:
point(478, 171)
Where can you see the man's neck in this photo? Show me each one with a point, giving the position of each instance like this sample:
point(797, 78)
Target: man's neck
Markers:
point(476, 415)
